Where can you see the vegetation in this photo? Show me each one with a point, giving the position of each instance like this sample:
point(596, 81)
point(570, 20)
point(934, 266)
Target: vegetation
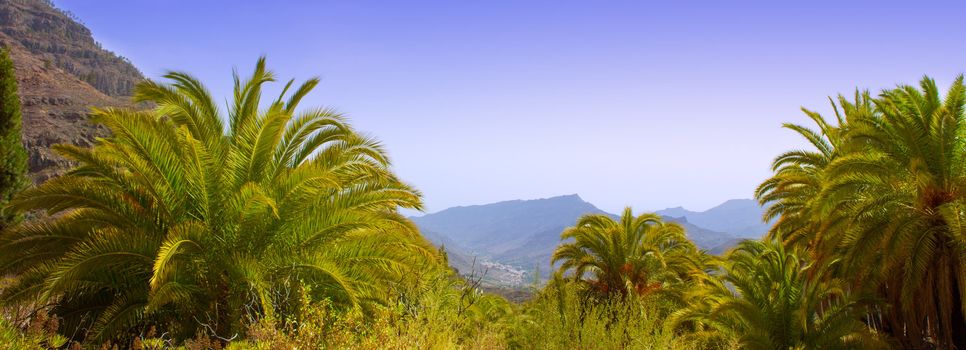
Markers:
point(884, 188)
point(777, 303)
point(639, 255)
point(177, 214)
point(564, 316)
point(13, 157)
point(273, 227)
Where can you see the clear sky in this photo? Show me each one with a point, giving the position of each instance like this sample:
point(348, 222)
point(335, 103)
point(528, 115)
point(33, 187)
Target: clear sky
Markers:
point(625, 103)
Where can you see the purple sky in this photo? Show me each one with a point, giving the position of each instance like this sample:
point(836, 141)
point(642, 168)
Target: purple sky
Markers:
point(624, 103)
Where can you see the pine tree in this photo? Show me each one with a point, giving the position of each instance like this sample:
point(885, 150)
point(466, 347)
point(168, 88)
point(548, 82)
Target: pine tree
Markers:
point(13, 157)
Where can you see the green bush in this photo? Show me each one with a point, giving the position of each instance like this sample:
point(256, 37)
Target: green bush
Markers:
point(565, 315)
point(13, 157)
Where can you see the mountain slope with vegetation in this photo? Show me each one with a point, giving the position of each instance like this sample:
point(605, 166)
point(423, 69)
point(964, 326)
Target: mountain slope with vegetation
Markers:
point(58, 39)
point(61, 72)
point(524, 233)
point(497, 227)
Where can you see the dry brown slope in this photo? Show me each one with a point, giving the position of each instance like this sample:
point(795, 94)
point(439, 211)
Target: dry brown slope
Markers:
point(58, 39)
point(52, 53)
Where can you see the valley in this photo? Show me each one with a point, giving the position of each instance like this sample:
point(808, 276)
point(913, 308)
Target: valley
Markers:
point(509, 243)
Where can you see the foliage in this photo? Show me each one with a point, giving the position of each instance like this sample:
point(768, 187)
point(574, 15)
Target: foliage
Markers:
point(777, 303)
point(885, 188)
point(637, 255)
point(564, 316)
point(41, 333)
point(13, 157)
point(641, 267)
point(436, 310)
point(180, 221)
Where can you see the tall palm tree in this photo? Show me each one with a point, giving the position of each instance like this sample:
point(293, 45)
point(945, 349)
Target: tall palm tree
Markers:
point(905, 190)
point(792, 193)
point(885, 189)
point(180, 219)
point(640, 255)
point(775, 304)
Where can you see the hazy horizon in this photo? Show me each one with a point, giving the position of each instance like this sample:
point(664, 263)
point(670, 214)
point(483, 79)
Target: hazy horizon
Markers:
point(652, 106)
point(615, 212)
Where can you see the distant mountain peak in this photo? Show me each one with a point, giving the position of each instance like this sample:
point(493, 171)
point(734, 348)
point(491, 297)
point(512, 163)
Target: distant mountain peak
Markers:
point(524, 233)
point(740, 217)
point(561, 198)
point(497, 222)
point(739, 202)
point(676, 212)
point(679, 219)
point(566, 197)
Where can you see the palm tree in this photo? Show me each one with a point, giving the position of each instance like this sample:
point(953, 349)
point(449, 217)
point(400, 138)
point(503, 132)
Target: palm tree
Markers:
point(905, 190)
point(640, 255)
point(792, 193)
point(179, 219)
point(774, 304)
point(885, 188)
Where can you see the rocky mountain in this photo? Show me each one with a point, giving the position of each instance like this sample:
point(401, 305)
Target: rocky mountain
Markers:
point(739, 217)
point(520, 235)
point(59, 40)
point(62, 72)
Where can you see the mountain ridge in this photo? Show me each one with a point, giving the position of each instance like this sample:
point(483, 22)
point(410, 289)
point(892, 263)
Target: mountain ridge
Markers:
point(523, 233)
point(740, 217)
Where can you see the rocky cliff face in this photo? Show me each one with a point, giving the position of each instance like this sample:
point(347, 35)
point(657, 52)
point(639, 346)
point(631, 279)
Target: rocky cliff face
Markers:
point(59, 40)
point(61, 72)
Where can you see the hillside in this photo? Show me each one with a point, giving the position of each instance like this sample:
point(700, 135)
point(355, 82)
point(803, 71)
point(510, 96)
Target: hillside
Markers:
point(498, 227)
point(739, 217)
point(494, 233)
point(522, 234)
point(60, 40)
point(61, 71)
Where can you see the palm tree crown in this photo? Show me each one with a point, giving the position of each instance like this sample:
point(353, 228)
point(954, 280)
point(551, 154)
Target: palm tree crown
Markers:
point(178, 214)
point(886, 188)
point(640, 254)
point(771, 301)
